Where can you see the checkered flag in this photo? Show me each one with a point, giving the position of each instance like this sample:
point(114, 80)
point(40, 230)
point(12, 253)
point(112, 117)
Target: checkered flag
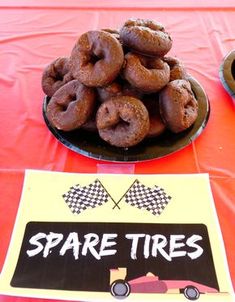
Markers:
point(159, 202)
point(80, 198)
point(152, 199)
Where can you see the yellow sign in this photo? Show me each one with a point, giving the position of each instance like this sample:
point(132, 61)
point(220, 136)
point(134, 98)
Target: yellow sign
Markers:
point(103, 237)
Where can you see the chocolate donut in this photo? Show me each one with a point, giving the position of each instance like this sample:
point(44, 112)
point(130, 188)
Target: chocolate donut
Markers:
point(112, 90)
point(114, 32)
point(146, 37)
point(157, 126)
point(129, 90)
point(145, 73)
point(90, 124)
point(96, 58)
point(122, 121)
point(118, 88)
point(178, 106)
point(55, 75)
point(177, 70)
point(71, 106)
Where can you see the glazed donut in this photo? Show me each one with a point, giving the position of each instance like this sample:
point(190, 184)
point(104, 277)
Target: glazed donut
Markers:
point(71, 106)
point(157, 126)
point(178, 106)
point(147, 74)
point(55, 75)
point(146, 37)
point(122, 121)
point(177, 70)
point(96, 58)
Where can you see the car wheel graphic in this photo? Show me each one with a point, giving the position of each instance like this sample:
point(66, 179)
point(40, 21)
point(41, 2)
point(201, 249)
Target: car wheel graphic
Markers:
point(120, 289)
point(191, 293)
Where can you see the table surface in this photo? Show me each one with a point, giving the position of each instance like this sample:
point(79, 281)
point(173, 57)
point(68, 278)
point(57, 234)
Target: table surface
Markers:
point(32, 34)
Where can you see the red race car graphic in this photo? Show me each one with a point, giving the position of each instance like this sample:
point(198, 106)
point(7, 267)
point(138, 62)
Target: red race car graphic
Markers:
point(150, 283)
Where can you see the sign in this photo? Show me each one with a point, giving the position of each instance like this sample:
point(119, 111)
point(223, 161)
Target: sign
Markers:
point(100, 237)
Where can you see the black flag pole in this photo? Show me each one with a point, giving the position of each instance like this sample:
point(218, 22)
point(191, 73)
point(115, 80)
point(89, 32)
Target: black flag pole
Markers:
point(116, 203)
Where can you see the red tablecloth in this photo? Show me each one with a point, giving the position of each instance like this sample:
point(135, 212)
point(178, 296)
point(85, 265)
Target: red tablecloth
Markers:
point(32, 34)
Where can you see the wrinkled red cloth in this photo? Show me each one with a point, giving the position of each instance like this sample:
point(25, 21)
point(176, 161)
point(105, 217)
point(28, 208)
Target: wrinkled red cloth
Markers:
point(32, 34)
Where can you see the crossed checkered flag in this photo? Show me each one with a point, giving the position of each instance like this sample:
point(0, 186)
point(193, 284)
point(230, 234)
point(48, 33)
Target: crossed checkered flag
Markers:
point(80, 198)
point(153, 199)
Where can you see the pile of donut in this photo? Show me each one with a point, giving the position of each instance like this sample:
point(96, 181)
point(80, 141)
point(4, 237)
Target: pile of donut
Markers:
point(121, 85)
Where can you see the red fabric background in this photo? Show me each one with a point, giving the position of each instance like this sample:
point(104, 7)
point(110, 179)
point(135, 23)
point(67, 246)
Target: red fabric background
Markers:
point(32, 34)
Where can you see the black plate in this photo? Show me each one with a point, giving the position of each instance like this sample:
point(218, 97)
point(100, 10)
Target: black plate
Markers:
point(91, 145)
point(227, 73)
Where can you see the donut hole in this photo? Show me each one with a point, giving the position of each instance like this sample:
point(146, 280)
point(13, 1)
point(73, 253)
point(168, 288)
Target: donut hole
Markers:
point(63, 108)
point(120, 125)
point(59, 77)
point(233, 69)
point(151, 64)
point(123, 123)
point(72, 97)
point(146, 63)
point(95, 58)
